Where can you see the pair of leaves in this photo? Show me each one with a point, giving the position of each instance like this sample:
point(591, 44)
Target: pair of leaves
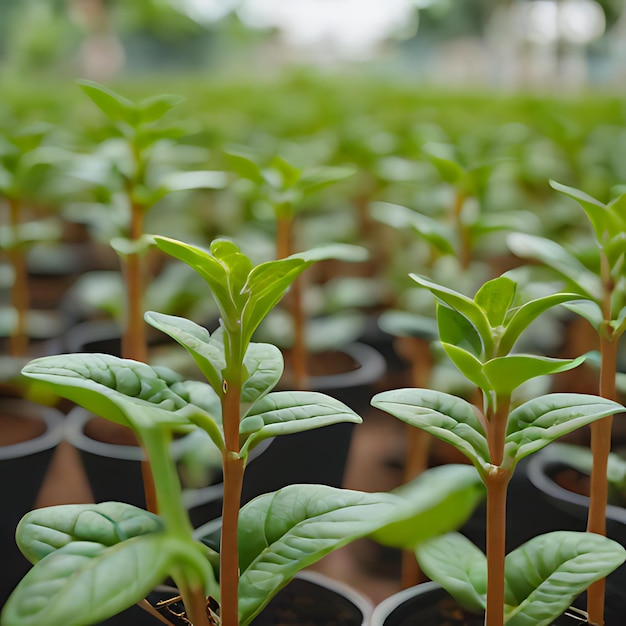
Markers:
point(281, 183)
point(92, 561)
point(244, 293)
point(530, 427)
point(542, 577)
point(283, 532)
point(478, 334)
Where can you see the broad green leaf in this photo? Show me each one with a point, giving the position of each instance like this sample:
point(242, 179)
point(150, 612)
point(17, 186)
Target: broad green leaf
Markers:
point(439, 500)
point(602, 219)
point(123, 391)
point(124, 246)
point(534, 424)
point(206, 350)
point(495, 298)
point(243, 164)
point(554, 255)
point(457, 330)
point(444, 416)
point(524, 315)
point(454, 562)
point(314, 180)
point(267, 283)
point(43, 531)
point(434, 231)
point(285, 412)
point(264, 367)
point(112, 104)
point(86, 582)
point(188, 181)
point(283, 532)
point(464, 305)
point(469, 365)
point(339, 251)
point(545, 575)
point(449, 170)
point(207, 266)
point(154, 108)
point(288, 175)
point(587, 309)
point(508, 372)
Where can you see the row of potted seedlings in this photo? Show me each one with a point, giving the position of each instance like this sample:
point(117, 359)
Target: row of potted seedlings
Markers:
point(227, 571)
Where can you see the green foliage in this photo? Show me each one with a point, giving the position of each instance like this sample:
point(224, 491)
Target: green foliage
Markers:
point(542, 577)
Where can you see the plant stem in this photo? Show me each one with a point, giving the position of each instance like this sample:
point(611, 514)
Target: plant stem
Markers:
point(233, 481)
point(134, 338)
point(601, 447)
point(20, 299)
point(496, 481)
point(173, 513)
point(284, 248)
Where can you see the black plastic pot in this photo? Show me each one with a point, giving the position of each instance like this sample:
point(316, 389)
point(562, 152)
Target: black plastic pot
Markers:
point(319, 456)
point(22, 469)
point(428, 604)
point(572, 511)
point(310, 598)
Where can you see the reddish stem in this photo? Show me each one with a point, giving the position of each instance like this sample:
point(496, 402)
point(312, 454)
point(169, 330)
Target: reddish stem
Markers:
point(233, 481)
point(20, 297)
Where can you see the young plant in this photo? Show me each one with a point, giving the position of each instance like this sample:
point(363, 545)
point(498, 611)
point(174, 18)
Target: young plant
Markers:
point(133, 150)
point(601, 282)
point(478, 335)
point(285, 187)
point(94, 560)
point(21, 164)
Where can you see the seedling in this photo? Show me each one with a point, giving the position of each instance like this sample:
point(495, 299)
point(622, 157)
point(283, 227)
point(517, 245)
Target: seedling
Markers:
point(479, 335)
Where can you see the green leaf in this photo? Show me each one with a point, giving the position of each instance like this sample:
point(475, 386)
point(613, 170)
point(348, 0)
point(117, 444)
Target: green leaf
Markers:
point(283, 532)
point(444, 416)
point(469, 365)
point(214, 272)
point(554, 255)
point(124, 246)
point(206, 350)
point(43, 531)
point(442, 237)
point(454, 562)
point(508, 372)
point(495, 298)
point(544, 575)
point(264, 367)
point(314, 180)
point(449, 170)
point(86, 582)
point(115, 106)
point(605, 224)
point(439, 500)
point(464, 305)
point(241, 162)
point(285, 412)
point(154, 108)
point(536, 423)
point(405, 324)
point(189, 181)
point(524, 315)
point(123, 391)
point(457, 330)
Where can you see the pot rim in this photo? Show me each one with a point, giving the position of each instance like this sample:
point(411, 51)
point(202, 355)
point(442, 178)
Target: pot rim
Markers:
point(50, 438)
point(538, 472)
point(383, 609)
point(372, 366)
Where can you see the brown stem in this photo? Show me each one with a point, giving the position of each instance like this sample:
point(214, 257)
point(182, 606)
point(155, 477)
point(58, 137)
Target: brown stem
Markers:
point(233, 481)
point(20, 297)
point(195, 606)
point(284, 248)
point(465, 252)
point(496, 481)
point(134, 338)
point(601, 447)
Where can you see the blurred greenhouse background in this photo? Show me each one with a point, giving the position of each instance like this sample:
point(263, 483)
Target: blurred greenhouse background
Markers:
point(496, 43)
